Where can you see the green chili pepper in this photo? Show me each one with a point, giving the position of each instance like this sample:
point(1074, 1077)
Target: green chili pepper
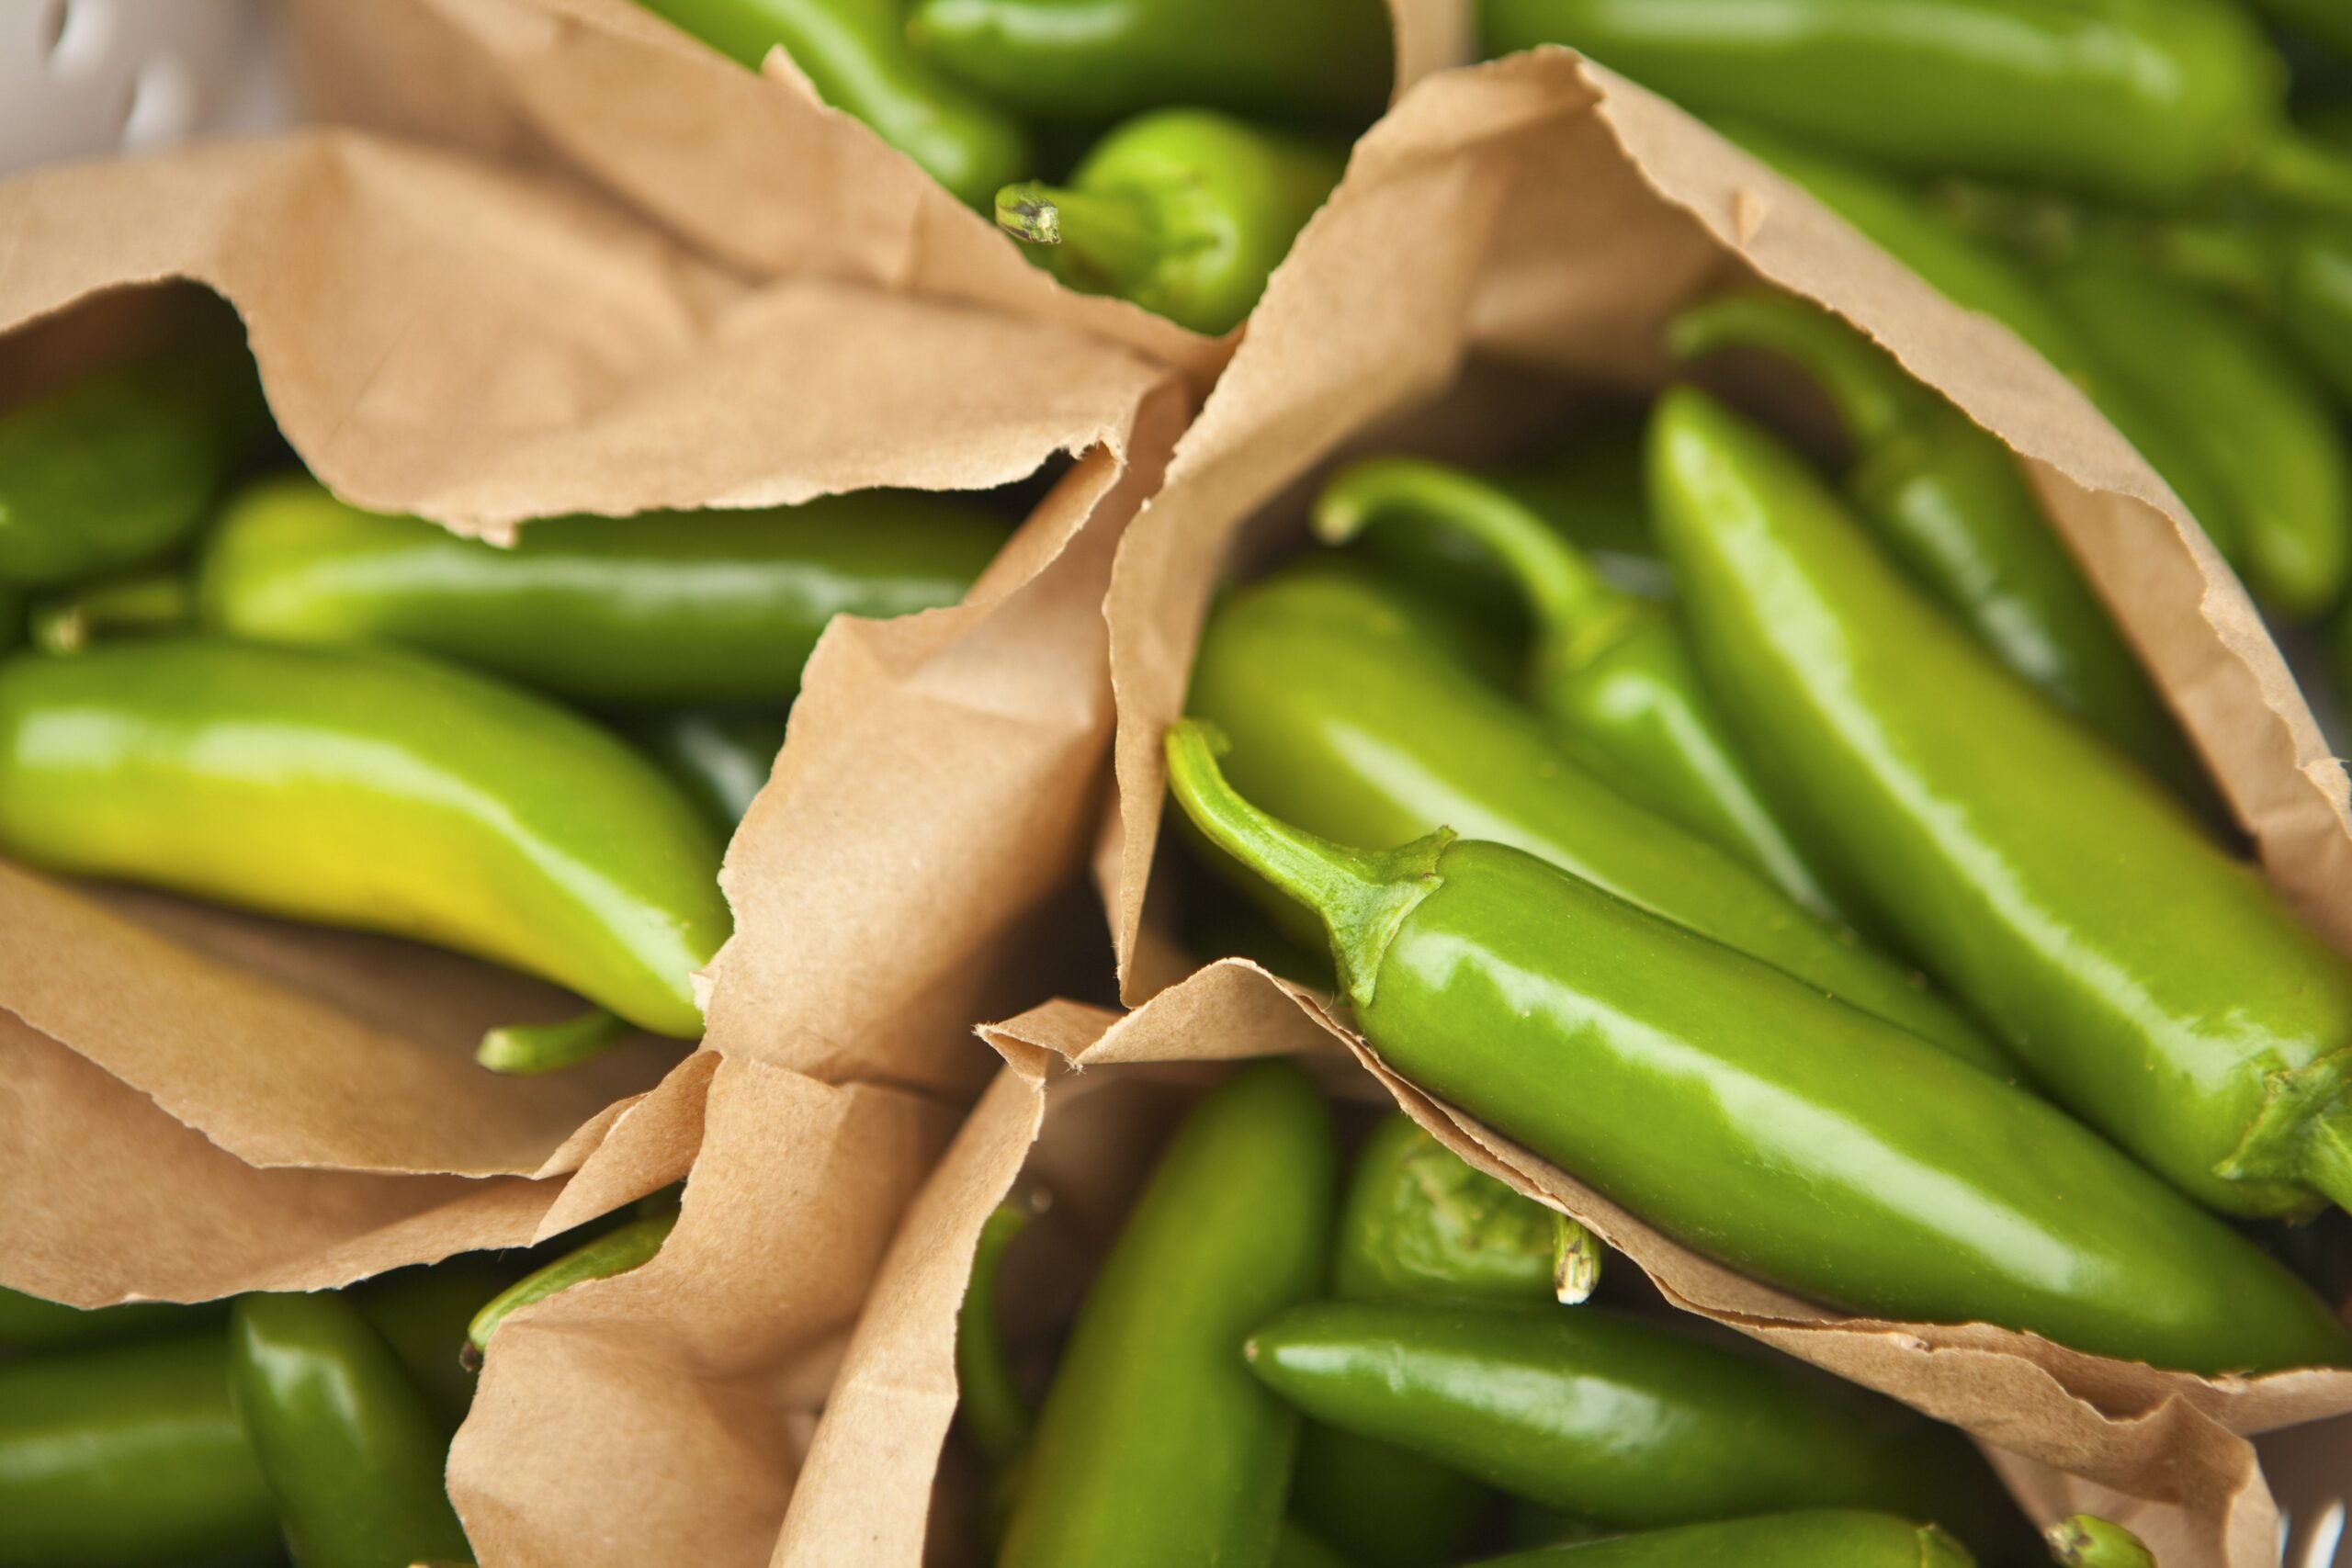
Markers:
point(988, 1400)
point(855, 53)
point(1382, 1506)
point(1325, 62)
point(142, 605)
point(352, 1450)
point(1609, 669)
point(117, 468)
point(2151, 982)
point(1828, 1539)
point(1418, 1223)
point(2148, 101)
point(1155, 1445)
point(1619, 1420)
point(663, 609)
point(1295, 1548)
point(2261, 423)
point(2297, 276)
point(721, 760)
point(374, 790)
point(1951, 504)
point(1590, 488)
point(423, 1313)
point(29, 1323)
point(2086, 1540)
point(1183, 212)
point(1351, 723)
point(1743, 1113)
point(617, 1251)
point(129, 1456)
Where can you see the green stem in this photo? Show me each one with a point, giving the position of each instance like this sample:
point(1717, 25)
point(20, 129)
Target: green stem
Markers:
point(149, 604)
point(2301, 173)
point(1112, 236)
point(995, 1413)
point(2088, 1541)
point(1873, 396)
point(632, 1245)
point(1576, 1261)
point(1362, 896)
point(526, 1049)
point(2326, 1162)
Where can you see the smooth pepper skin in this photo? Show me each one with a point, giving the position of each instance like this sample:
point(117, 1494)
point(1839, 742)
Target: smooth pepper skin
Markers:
point(1420, 1223)
point(129, 1456)
point(1155, 1447)
point(1607, 668)
point(2150, 982)
point(1949, 503)
point(1186, 212)
point(1619, 1420)
point(1351, 724)
point(855, 53)
point(989, 1405)
point(1825, 1539)
point(1313, 62)
point(2145, 101)
point(117, 468)
point(1741, 1111)
point(351, 1449)
point(2262, 423)
point(660, 610)
point(373, 790)
point(721, 760)
point(31, 1322)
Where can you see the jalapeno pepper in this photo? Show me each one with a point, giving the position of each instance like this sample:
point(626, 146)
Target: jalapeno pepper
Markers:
point(856, 55)
point(29, 1323)
point(1609, 669)
point(1951, 505)
point(1325, 62)
point(1183, 212)
point(1620, 1420)
point(1750, 1117)
point(663, 609)
point(2150, 982)
point(2148, 101)
point(117, 468)
point(423, 1314)
point(2297, 276)
point(1385, 1507)
point(628, 1246)
point(1155, 1445)
point(721, 760)
point(1353, 724)
point(1828, 1539)
point(352, 1451)
point(373, 790)
point(129, 1456)
point(2088, 1542)
point(988, 1401)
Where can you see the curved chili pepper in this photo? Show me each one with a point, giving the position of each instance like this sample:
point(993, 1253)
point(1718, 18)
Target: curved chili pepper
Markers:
point(989, 1402)
point(371, 790)
point(352, 1451)
point(662, 609)
point(129, 1456)
point(1609, 669)
point(2146, 101)
point(1745, 1114)
point(1351, 723)
point(1828, 1539)
point(1951, 504)
point(721, 760)
point(1620, 1420)
point(1156, 1447)
point(31, 1322)
point(2086, 1540)
point(1325, 62)
point(115, 469)
point(856, 55)
point(2261, 421)
point(628, 1246)
point(1382, 1506)
point(2150, 982)
point(1183, 212)
point(144, 605)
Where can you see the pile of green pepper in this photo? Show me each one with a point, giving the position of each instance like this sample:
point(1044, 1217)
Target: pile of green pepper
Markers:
point(1186, 140)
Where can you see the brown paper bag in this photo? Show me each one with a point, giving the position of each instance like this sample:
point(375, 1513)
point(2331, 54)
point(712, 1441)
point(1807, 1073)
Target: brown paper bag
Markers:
point(435, 336)
point(1539, 212)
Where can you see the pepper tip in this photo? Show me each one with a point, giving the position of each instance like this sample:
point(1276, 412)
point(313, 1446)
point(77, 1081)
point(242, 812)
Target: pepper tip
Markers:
point(1026, 213)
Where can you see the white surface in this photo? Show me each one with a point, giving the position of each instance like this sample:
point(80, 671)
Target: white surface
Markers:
point(82, 78)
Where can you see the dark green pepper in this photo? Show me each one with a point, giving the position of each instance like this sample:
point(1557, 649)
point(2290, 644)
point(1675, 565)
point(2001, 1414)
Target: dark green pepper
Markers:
point(1951, 506)
point(1743, 1113)
point(2147, 101)
point(1418, 1223)
point(1351, 723)
point(1609, 669)
point(368, 789)
point(423, 1314)
point(1295, 1548)
point(2297, 276)
point(139, 605)
point(2150, 982)
point(1156, 1447)
point(663, 609)
point(989, 1402)
point(1183, 212)
point(721, 760)
point(1326, 61)
point(856, 55)
point(2085, 1541)
point(117, 468)
point(2325, 21)
point(1621, 1421)
point(628, 1246)
point(1823, 1540)
point(29, 1323)
point(1382, 1506)
point(129, 1456)
point(352, 1450)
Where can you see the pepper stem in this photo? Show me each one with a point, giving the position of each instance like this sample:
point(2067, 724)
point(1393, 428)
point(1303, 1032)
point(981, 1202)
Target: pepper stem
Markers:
point(1112, 235)
point(526, 1049)
point(2086, 1540)
point(617, 1251)
point(1873, 396)
point(1576, 1261)
point(2326, 1162)
point(156, 603)
point(1580, 615)
point(989, 1398)
point(2300, 173)
point(1363, 896)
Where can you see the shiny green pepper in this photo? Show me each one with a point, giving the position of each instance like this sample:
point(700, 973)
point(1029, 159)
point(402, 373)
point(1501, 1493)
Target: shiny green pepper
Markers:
point(721, 760)
point(1745, 1114)
point(1826, 1539)
point(1183, 212)
point(1418, 1223)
